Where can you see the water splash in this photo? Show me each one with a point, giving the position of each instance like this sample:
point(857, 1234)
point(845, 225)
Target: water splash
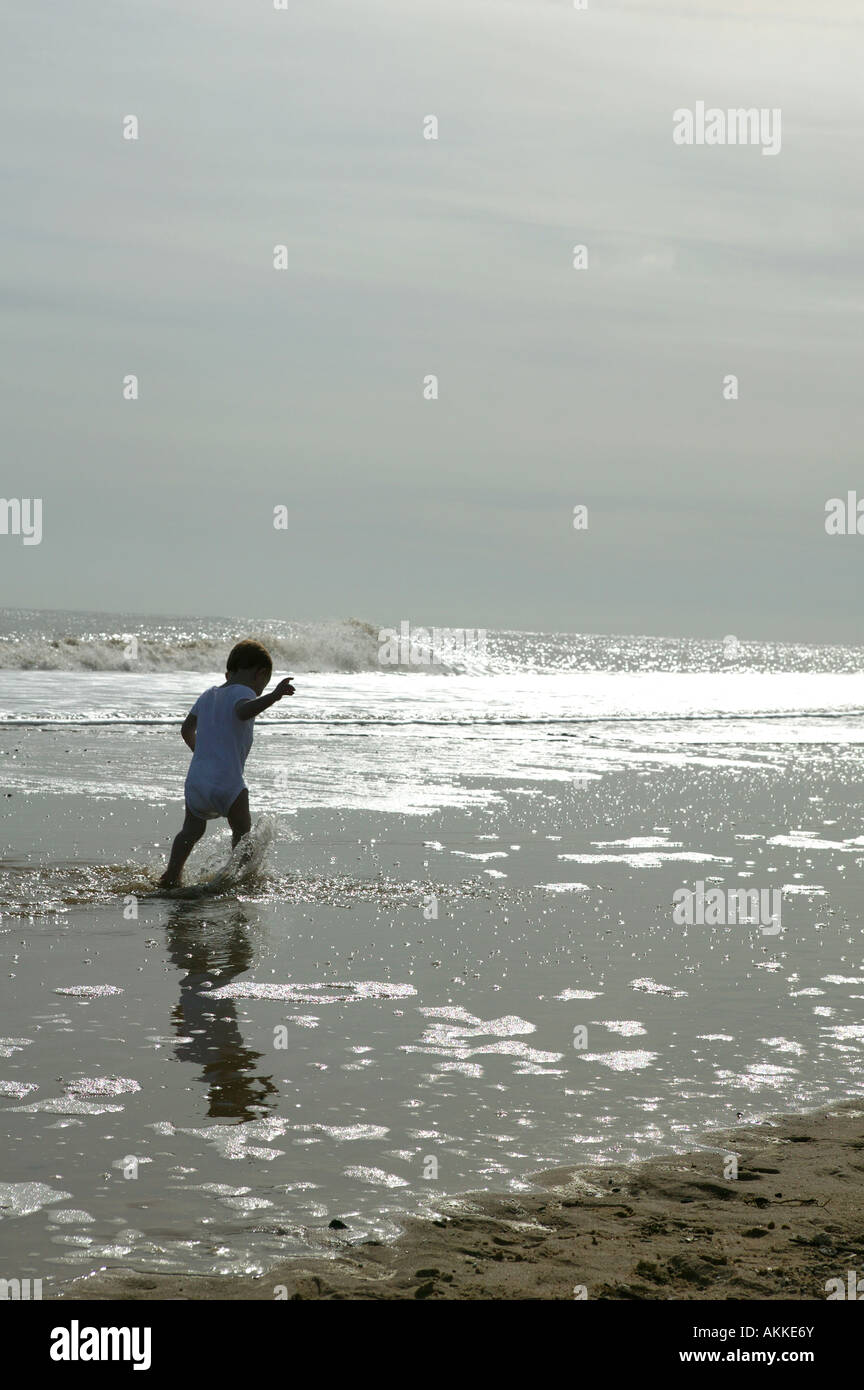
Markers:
point(246, 867)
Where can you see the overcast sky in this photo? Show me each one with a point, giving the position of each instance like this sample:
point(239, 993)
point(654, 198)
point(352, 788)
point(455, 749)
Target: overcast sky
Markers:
point(409, 257)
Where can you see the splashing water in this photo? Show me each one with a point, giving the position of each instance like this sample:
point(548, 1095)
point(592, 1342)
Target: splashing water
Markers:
point(245, 868)
point(30, 891)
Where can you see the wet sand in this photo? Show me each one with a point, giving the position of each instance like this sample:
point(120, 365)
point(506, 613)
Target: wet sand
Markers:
point(241, 1051)
point(670, 1228)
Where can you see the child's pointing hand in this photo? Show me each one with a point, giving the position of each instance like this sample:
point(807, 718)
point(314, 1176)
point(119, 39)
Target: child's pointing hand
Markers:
point(284, 688)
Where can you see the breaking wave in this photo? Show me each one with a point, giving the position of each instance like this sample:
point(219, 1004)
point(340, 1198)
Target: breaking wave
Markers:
point(345, 645)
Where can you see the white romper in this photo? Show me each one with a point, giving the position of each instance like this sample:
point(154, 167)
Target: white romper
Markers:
point(222, 743)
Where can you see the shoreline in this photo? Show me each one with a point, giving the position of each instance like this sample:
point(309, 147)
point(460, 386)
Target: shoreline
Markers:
point(667, 1228)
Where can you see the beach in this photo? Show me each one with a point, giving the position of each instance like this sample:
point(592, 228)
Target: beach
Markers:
point(436, 421)
point(789, 1227)
point(455, 963)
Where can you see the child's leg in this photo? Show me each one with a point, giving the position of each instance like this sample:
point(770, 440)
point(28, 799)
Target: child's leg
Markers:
point(238, 817)
point(184, 843)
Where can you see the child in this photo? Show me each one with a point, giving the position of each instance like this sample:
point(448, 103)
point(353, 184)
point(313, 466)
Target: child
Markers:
point(218, 729)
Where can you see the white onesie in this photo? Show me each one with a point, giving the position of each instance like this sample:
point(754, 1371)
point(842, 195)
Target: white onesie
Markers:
point(222, 743)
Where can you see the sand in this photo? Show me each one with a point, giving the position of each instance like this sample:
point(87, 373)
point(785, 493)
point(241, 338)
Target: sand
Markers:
point(672, 1228)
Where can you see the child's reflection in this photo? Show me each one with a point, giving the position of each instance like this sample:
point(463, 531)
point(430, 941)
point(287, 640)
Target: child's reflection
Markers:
point(213, 944)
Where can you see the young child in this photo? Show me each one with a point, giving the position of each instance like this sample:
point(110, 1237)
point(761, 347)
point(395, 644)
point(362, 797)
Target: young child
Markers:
point(218, 729)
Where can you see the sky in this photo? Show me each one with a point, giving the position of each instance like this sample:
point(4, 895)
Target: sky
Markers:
point(303, 388)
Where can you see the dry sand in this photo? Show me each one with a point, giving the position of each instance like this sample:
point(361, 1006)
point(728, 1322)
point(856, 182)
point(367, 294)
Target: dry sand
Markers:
point(671, 1228)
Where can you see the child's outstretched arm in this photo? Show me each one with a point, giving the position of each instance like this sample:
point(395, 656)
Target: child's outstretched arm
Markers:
point(247, 709)
point(187, 730)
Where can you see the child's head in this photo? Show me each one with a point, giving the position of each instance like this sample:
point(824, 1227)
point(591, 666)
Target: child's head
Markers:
point(250, 664)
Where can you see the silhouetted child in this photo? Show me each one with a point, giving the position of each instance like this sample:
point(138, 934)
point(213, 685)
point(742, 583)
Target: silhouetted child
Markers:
point(218, 729)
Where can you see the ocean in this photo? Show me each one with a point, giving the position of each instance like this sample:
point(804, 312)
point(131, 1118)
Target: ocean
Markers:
point(455, 959)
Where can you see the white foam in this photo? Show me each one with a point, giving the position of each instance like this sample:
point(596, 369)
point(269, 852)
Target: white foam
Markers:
point(631, 1060)
point(648, 986)
point(315, 993)
point(25, 1198)
point(17, 1089)
point(89, 991)
point(639, 842)
point(68, 1105)
point(102, 1086)
point(806, 839)
point(376, 1177)
point(491, 854)
point(344, 1133)
point(647, 860)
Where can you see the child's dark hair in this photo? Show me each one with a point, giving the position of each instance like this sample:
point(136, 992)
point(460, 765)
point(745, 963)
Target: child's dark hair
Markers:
point(249, 656)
